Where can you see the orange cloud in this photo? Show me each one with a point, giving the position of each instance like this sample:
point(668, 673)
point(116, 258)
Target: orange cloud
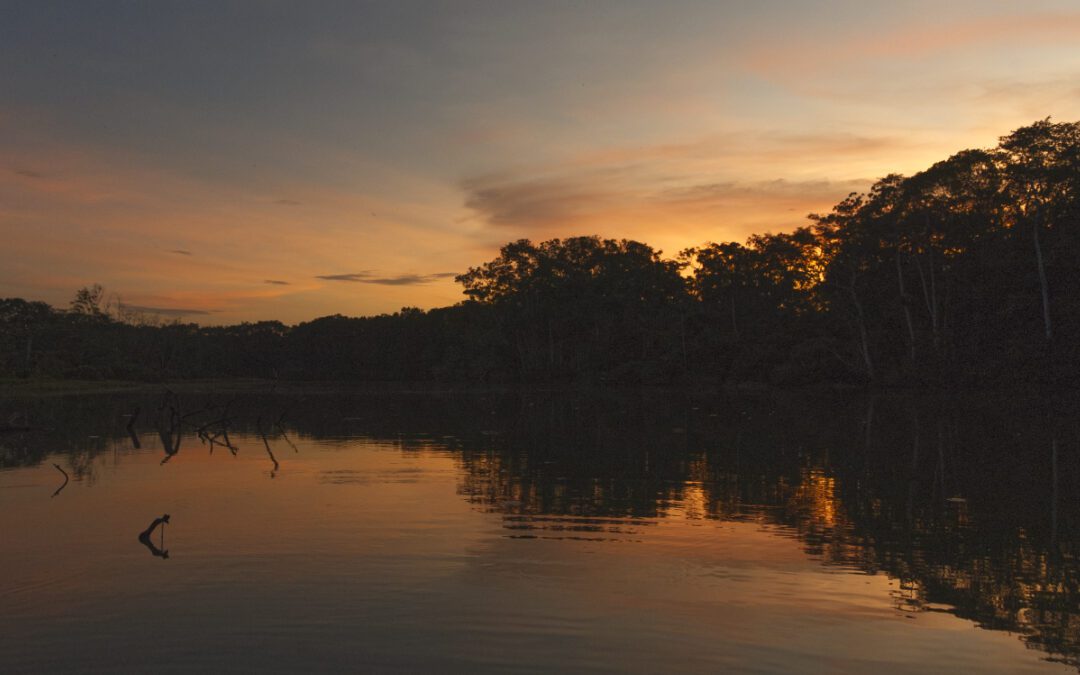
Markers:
point(680, 194)
point(670, 218)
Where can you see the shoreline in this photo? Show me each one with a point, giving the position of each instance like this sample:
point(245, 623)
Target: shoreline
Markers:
point(19, 388)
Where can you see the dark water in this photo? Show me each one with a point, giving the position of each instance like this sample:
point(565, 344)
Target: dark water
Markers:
point(601, 531)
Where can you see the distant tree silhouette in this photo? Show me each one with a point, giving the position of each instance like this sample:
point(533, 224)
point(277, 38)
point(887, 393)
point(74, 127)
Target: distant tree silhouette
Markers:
point(88, 301)
point(583, 305)
point(966, 272)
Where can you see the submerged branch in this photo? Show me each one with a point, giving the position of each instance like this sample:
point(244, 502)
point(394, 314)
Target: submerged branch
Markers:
point(64, 484)
point(132, 418)
point(285, 436)
point(144, 537)
point(268, 450)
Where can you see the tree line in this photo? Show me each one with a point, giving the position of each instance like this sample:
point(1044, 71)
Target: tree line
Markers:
point(965, 273)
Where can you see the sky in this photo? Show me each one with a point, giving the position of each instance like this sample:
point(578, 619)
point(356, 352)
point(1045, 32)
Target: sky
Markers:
point(242, 161)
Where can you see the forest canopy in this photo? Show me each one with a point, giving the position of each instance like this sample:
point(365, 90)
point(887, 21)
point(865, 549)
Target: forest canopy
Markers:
point(965, 273)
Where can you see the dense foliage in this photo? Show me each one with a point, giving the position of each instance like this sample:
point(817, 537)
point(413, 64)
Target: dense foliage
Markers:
point(964, 273)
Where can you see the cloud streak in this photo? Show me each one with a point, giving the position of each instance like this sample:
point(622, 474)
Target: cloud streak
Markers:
point(352, 276)
point(367, 277)
point(540, 203)
point(691, 184)
point(532, 201)
point(164, 311)
point(777, 191)
point(409, 279)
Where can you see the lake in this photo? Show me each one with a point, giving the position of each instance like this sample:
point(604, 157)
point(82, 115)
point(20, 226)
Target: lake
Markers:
point(524, 531)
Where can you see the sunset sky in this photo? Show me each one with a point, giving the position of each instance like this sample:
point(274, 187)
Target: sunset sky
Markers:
point(285, 160)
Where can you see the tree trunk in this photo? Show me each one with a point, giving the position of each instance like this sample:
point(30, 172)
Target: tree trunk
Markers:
point(905, 302)
point(863, 337)
point(923, 285)
point(1042, 279)
point(930, 290)
point(934, 303)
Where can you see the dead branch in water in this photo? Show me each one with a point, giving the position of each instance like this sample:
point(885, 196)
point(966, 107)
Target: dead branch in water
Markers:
point(228, 444)
point(292, 445)
point(170, 435)
point(268, 450)
point(131, 428)
point(66, 479)
point(221, 437)
point(145, 540)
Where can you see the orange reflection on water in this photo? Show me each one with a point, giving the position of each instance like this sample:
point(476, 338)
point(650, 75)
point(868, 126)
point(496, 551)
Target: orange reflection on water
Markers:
point(409, 554)
point(815, 497)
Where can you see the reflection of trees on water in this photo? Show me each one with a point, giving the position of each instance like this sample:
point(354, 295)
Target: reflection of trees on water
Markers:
point(83, 428)
point(80, 428)
point(969, 508)
point(972, 504)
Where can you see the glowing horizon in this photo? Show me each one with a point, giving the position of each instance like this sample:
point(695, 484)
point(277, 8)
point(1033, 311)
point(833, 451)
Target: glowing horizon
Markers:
point(269, 162)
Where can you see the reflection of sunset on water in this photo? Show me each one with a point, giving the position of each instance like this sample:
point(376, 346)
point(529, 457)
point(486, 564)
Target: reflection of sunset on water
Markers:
point(391, 519)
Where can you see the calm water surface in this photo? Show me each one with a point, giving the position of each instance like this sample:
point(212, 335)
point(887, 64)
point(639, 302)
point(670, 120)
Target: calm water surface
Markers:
point(628, 532)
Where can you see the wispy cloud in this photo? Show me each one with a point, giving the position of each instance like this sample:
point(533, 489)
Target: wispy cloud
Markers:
point(165, 311)
point(395, 280)
point(276, 282)
point(409, 279)
point(544, 202)
point(287, 202)
point(733, 176)
point(180, 251)
point(775, 191)
point(537, 200)
point(27, 173)
point(352, 276)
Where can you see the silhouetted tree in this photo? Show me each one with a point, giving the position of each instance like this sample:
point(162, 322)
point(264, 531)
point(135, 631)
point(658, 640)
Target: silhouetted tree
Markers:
point(967, 272)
